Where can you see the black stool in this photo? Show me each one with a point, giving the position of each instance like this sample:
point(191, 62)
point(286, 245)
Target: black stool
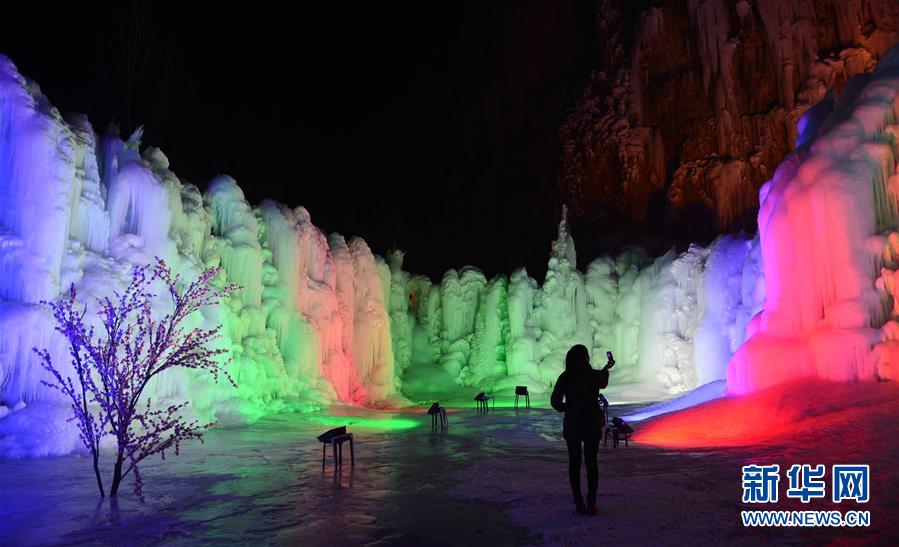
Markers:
point(522, 391)
point(336, 437)
point(483, 401)
point(618, 431)
point(438, 412)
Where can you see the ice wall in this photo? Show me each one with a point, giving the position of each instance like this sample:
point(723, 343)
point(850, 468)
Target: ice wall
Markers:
point(672, 323)
point(826, 226)
point(321, 318)
point(311, 322)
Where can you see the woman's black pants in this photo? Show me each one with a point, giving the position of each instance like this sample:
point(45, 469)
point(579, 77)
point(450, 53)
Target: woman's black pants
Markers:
point(591, 447)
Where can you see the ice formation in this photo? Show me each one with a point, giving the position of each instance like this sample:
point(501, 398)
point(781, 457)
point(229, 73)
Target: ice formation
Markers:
point(310, 321)
point(318, 317)
point(827, 228)
point(321, 318)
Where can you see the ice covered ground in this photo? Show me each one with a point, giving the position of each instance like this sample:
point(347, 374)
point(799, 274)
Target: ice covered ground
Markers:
point(321, 319)
point(680, 482)
point(494, 480)
point(264, 484)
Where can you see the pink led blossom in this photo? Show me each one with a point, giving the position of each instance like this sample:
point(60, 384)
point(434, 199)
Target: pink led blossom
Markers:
point(113, 365)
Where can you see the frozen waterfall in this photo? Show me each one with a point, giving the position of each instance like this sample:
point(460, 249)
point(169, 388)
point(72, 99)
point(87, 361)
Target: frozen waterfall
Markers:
point(320, 318)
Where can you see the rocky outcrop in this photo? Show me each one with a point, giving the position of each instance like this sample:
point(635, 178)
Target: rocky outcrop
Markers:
point(694, 103)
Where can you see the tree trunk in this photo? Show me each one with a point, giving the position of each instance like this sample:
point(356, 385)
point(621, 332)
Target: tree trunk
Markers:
point(116, 476)
point(97, 474)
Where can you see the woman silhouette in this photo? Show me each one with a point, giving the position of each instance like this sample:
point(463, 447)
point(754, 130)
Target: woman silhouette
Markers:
point(576, 394)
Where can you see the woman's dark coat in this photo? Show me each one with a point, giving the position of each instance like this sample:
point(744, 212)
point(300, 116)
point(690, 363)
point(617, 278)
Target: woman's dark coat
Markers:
point(580, 391)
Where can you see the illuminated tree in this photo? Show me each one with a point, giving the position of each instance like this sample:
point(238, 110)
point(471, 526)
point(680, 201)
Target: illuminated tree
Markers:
point(114, 364)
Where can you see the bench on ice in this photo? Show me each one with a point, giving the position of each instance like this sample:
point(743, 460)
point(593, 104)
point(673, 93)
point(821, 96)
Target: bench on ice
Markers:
point(336, 437)
point(438, 413)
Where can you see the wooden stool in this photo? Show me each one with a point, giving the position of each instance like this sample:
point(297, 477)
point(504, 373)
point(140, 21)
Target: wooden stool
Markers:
point(618, 430)
point(438, 412)
point(336, 443)
point(444, 423)
point(483, 401)
point(522, 391)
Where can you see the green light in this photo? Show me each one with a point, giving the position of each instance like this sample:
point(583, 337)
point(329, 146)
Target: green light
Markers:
point(501, 402)
point(390, 423)
point(505, 403)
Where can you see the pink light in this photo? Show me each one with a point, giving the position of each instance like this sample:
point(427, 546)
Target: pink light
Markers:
point(827, 302)
point(809, 409)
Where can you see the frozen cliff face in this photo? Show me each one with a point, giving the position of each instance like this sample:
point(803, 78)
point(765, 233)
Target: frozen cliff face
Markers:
point(672, 323)
point(721, 329)
point(309, 324)
point(826, 226)
point(669, 316)
point(696, 103)
point(372, 350)
point(319, 318)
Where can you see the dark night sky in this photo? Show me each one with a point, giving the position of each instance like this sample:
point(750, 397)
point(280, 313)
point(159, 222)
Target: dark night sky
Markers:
point(429, 127)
